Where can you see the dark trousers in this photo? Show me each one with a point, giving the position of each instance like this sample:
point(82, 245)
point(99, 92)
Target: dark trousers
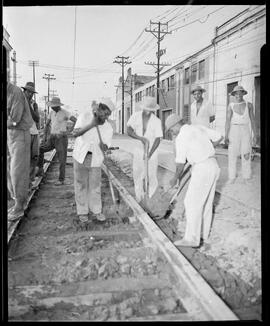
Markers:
point(60, 143)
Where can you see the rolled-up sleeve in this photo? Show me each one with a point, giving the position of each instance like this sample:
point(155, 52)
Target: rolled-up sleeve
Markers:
point(213, 135)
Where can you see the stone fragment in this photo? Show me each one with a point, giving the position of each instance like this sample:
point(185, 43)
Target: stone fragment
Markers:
point(125, 269)
point(169, 304)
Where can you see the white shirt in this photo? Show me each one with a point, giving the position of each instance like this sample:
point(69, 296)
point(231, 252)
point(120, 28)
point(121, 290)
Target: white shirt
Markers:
point(89, 141)
point(153, 129)
point(59, 121)
point(193, 143)
point(205, 112)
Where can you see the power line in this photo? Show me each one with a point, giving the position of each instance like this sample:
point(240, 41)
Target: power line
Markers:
point(198, 19)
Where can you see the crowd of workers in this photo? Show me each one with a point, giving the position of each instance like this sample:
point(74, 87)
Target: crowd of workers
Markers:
point(194, 145)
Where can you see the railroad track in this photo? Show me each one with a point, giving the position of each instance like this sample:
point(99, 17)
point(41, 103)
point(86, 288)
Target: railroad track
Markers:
point(113, 271)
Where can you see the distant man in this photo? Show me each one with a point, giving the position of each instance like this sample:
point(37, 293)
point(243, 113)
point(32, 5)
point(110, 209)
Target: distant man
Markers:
point(201, 111)
point(57, 139)
point(88, 158)
point(29, 90)
point(19, 122)
point(146, 127)
point(195, 144)
point(238, 134)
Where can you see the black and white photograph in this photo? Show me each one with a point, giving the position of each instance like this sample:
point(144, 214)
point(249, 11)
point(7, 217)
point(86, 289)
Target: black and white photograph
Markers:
point(133, 162)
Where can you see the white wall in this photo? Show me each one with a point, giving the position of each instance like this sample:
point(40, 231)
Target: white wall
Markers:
point(238, 59)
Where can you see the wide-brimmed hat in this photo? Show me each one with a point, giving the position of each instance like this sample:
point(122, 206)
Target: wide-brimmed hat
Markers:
point(149, 103)
point(55, 101)
point(108, 102)
point(171, 120)
point(238, 89)
point(30, 86)
point(198, 88)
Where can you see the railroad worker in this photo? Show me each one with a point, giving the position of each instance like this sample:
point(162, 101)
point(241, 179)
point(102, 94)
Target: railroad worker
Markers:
point(29, 90)
point(201, 111)
point(19, 122)
point(195, 144)
point(88, 158)
point(57, 139)
point(145, 126)
point(239, 118)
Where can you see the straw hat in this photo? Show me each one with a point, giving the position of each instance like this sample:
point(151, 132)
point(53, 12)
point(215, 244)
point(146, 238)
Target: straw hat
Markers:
point(172, 120)
point(29, 86)
point(149, 104)
point(198, 88)
point(238, 89)
point(108, 102)
point(55, 101)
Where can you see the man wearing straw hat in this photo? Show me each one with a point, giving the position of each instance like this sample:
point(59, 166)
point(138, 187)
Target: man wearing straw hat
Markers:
point(19, 122)
point(146, 127)
point(29, 90)
point(195, 144)
point(58, 139)
point(239, 118)
point(201, 111)
point(88, 158)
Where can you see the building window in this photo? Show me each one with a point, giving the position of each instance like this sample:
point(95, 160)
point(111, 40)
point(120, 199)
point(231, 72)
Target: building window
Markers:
point(193, 73)
point(153, 91)
point(168, 84)
point(201, 69)
point(163, 85)
point(187, 76)
point(172, 81)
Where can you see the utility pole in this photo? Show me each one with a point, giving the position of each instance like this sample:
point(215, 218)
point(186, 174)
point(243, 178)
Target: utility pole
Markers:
point(159, 34)
point(14, 68)
point(49, 77)
point(33, 64)
point(123, 62)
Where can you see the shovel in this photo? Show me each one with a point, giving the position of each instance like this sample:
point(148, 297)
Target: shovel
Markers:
point(177, 192)
point(146, 178)
point(124, 219)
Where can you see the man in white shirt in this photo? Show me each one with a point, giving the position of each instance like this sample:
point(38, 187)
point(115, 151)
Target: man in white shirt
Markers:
point(195, 144)
point(146, 127)
point(57, 139)
point(201, 111)
point(88, 158)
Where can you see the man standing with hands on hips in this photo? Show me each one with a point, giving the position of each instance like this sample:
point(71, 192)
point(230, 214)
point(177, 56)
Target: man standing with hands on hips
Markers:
point(58, 139)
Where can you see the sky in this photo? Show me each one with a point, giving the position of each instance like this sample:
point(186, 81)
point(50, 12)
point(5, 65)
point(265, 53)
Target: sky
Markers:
point(79, 44)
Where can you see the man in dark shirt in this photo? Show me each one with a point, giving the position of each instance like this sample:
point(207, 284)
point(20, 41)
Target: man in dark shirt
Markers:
point(19, 122)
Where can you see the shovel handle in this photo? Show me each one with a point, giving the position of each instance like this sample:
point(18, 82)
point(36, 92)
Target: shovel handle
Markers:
point(107, 170)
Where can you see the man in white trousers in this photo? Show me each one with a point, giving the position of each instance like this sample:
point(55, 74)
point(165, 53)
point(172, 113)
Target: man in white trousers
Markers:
point(240, 118)
point(88, 158)
point(146, 127)
point(195, 144)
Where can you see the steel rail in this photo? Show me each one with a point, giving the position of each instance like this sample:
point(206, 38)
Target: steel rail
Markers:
point(199, 295)
point(12, 226)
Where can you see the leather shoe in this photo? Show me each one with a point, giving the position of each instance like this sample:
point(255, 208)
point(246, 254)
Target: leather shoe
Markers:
point(185, 243)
